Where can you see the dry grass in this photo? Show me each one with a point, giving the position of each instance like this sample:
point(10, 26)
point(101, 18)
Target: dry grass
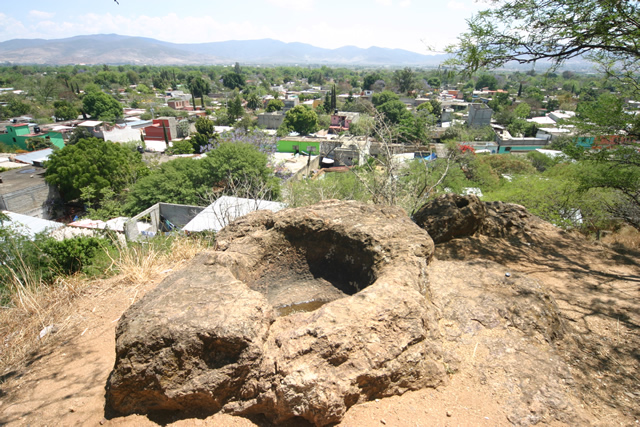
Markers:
point(34, 306)
point(626, 238)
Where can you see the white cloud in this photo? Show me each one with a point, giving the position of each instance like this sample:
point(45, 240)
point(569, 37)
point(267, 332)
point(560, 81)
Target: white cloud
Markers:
point(305, 5)
point(405, 3)
point(385, 2)
point(38, 14)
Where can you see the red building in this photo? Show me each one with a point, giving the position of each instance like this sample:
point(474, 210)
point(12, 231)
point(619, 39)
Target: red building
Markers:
point(155, 132)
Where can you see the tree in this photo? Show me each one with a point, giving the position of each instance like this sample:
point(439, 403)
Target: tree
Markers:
point(199, 88)
point(253, 101)
point(34, 144)
point(64, 110)
point(78, 133)
point(405, 79)
point(385, 96)
point(190, 181)
point(205, 137)
point(487, 80)
point(95, 163)
point(527, 32)
point(274, 105)
point(370, 79)
point(235, 109)
point(101, 106)
point(301, 119)
point(233, 80)
point(394, 111)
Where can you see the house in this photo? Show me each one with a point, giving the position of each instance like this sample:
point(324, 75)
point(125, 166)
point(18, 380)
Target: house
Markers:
point(156, 132)
point(24, 191)
point(341, 121)
point(180, 104)
point(16, 135)
point(225, 210)
point(290, 103)
point(479, 115)
point(298, 145)
point(270, 120)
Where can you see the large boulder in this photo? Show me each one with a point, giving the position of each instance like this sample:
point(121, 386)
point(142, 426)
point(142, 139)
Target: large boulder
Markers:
point(451, 216)
point(505, 330)
point(302, 313)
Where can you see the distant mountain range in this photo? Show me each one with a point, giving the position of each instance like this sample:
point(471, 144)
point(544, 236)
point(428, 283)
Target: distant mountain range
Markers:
point(116, 49)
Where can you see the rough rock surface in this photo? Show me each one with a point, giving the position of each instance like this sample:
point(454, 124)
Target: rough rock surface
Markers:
point(301, 313)
point(450, 216)
point(453, 216)
point(505, 331)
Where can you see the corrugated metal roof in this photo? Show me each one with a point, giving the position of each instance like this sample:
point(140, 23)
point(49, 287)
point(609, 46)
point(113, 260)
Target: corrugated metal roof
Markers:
point(227, 209)
point(30, 226)
point(35, 156)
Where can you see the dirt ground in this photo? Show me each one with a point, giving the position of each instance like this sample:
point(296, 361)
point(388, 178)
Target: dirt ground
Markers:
point(596, 287)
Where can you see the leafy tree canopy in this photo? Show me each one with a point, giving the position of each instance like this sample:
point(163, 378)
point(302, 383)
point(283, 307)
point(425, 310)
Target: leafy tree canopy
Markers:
point(275, 105)
point(301, 119)
point(382, 97)
point(529, 31)
point(101, 106)
point(95, 163)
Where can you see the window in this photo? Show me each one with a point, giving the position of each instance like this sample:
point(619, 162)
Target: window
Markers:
point(311, 149)
point(296, 148)
point(508, 149)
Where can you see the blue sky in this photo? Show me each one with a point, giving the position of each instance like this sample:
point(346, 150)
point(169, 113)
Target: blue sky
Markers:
point(407, 24)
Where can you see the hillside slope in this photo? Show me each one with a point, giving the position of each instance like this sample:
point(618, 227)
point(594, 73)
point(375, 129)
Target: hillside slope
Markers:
point(596, 288)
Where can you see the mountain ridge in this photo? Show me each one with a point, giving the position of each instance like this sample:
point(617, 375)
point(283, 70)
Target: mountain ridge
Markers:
point(115, 49)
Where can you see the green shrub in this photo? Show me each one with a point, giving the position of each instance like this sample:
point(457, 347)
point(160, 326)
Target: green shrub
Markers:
point(69, 256)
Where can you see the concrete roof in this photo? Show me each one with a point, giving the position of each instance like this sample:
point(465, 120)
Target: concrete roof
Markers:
point(30, 226)
point(20, 179)
point(227, 209)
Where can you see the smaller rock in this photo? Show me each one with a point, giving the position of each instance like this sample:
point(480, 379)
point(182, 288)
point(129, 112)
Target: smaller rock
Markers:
point(383, 422)
point(449, 414)
point(507, 274)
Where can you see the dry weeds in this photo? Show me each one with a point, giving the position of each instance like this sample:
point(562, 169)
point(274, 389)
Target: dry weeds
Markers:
point(35, 308)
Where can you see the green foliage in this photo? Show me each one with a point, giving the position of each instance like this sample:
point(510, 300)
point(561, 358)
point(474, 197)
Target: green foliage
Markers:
point(527, 32)
point(383, 97)
point(405, 79)
point(488, 81)
point(34, 144)
point(235, 109)
point(64, 110)
point(78, 133)
point(301, 119)
point(93, 162)
point(69, 256)
point(180, 147)
point(233, 80)
point(275, 105)
point(189, 181)
point(394, 111)
point(507, 164)
point(101, 106)
point(253, 101)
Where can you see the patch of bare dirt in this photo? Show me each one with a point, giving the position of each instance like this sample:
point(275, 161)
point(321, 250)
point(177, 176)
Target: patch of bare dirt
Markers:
point(597, 289)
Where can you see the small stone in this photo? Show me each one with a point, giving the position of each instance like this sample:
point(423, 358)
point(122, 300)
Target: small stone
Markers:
point(102, 421)
point(383, 421)
point(449, 414)
point(72, 410)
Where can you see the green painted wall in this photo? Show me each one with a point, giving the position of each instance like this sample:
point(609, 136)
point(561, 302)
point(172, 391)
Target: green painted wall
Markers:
point(287, 146)
point(15, 137)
